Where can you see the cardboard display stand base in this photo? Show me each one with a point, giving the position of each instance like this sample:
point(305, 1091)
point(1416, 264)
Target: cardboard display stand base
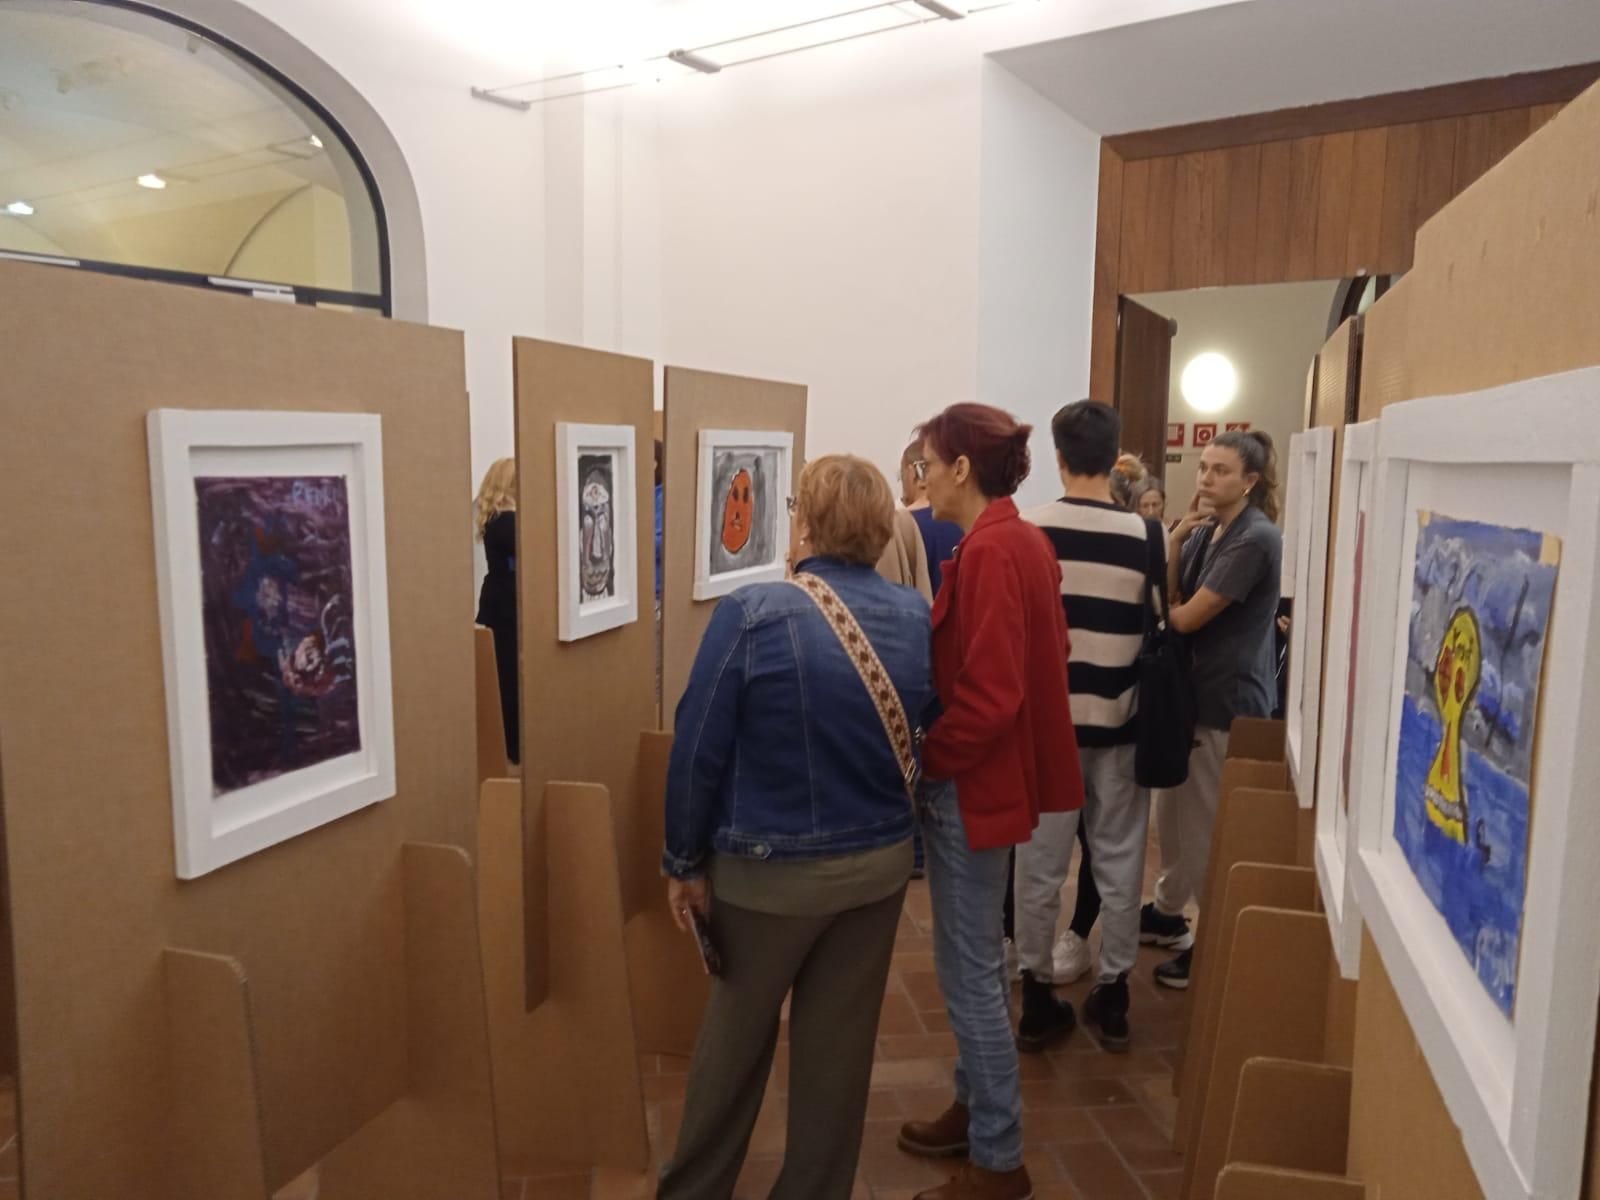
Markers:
point(566, 1072)
point(1272, 1005)
point(1274, 1183)
point(1248, 884)
point(1255, 738)
point(1294, 1115)
point(437, 1139)
point(1256, 822)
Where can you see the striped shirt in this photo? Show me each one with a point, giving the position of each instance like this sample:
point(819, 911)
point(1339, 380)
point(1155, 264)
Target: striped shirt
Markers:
point(1104, 552)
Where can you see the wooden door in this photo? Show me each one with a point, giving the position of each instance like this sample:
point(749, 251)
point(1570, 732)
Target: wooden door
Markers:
point(1144, 368)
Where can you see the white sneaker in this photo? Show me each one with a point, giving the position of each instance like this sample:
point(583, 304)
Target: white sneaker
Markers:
point(1070, 962)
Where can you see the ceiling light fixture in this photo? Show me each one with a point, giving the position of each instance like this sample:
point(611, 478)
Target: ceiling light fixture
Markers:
point(315, 141)
point(698, 62)
point(20, 208)
point(939, 8)
point(154, 182)
point(1209, 382)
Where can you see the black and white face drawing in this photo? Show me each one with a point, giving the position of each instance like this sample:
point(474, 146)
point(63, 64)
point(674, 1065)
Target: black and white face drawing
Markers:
point(596, 529)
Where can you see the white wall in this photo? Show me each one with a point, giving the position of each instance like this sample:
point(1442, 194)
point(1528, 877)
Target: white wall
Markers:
point(1271, 332)
point(1038, 197)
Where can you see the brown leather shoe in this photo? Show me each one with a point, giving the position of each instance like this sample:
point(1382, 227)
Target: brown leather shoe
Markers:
point(943, 1137)
point(974, 1183)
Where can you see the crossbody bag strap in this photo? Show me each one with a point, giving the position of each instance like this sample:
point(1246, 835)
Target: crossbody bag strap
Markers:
point(1155, 576)
point(891, 711)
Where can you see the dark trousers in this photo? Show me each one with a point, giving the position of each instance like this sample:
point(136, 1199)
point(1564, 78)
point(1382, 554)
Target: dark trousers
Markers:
point(505, 662)
point(837, 967)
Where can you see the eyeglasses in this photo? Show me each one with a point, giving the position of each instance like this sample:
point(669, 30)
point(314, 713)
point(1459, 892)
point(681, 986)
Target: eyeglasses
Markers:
point(791, 503)
point(920, 468)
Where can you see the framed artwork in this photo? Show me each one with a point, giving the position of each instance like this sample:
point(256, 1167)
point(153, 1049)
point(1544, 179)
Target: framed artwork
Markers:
point(596, 529)
point(273, 593)
point(1474, 819)
point(1338, 760)
point(1175, 430)
point(741, 518)
point(1310, 502)
point(1204, 435)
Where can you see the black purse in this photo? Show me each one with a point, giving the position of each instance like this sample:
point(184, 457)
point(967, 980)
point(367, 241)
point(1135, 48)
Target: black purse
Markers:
point(1166, 695)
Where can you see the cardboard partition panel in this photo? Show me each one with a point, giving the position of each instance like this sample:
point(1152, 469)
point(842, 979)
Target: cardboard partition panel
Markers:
point(1273, 1183)
point(670, 987)
point(697, 400)
point(1253, 737)
point(492, 760)
point(1340, 1048)
point(567, 1083)
point(1271, 1005)
point(1261, 828)
point(318, 922)
point(584, 702)
point(1292, 1114)
point(1501, 291)
point(1248, 884)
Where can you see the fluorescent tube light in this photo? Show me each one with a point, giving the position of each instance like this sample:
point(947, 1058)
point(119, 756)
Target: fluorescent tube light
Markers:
point(20, 208)
point(315, 141)
point(949, 12)
point(153, 182)
point(698, 62)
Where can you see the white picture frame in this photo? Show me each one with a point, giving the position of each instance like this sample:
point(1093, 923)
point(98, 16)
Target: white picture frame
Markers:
point(1310, 498)
point(1337, 810)
point(1524, 455)
point(209, 458)
point(720, 452)
point(586, 606)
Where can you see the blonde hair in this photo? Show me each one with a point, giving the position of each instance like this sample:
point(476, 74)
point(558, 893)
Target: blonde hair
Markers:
point(847, 504)
point(497, 493)
point(1126, 474)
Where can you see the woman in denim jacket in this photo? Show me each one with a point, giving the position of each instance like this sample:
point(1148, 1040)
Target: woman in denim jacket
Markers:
point(785, 801)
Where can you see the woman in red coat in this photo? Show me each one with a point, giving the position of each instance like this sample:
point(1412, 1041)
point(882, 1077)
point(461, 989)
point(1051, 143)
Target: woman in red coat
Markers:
point(1002, 752)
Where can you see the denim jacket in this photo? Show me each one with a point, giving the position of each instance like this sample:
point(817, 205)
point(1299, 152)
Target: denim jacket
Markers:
point(780, 753)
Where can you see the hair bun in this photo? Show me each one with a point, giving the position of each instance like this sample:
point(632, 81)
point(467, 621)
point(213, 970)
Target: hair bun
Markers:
point(1019, 459)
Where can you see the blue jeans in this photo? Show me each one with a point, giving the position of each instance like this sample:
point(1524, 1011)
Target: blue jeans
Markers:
point(968, 889)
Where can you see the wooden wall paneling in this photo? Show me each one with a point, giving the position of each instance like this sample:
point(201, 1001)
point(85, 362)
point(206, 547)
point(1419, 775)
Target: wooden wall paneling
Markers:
point(1133, 245)
point(1541, 115)
point(1397, 223)
point(1534, 88)
point(1144, 378)
point(1213, 221)
point(1242, 166)
point(1189, 230)
point(1508, 130)
point(1336, 185)
point(1273, 204)
point(1436, 167)
point(1107, 265)
point(1474, 150)
point(1305, 186)
point(1160, 206)
point(1364, 240)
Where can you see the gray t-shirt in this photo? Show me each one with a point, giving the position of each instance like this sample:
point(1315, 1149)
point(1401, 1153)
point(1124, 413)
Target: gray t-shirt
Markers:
point(1233, 669)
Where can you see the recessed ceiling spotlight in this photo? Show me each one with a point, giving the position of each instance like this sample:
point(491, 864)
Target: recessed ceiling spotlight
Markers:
point(698, 62)
point(154, 182)
point(20, 208)
point(950, 12)
point(315, 141)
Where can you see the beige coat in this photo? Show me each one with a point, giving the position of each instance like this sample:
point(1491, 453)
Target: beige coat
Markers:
point(905, 558)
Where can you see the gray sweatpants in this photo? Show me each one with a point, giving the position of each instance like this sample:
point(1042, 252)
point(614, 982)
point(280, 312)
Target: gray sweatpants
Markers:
point(1185, 819)
point(1117, 812)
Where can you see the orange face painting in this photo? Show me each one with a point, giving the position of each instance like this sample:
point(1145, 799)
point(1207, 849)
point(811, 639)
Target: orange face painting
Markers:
point(738, 515)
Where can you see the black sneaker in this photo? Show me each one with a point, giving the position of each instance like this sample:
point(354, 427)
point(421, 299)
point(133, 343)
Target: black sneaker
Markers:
point(1046, 1020)
point(1106, 1012)
point(1175, 973)
point(1158, 929)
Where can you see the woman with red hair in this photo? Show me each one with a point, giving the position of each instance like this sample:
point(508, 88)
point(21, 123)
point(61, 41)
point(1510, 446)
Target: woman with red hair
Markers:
point(1003, 751)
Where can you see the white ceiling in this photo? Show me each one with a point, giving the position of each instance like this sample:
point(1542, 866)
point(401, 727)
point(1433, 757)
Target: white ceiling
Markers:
point(1262, 55)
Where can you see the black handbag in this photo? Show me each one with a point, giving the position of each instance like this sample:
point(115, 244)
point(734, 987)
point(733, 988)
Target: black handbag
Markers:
point(1166, 695)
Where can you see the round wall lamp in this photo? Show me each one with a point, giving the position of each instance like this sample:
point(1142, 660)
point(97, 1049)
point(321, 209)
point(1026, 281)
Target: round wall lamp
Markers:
point(1209, 382)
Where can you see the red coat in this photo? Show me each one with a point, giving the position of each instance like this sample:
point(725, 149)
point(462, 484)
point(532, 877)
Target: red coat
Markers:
point(1000, 665)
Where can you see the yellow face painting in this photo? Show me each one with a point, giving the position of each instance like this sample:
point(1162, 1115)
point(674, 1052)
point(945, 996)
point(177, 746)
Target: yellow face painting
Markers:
point(1456, 673)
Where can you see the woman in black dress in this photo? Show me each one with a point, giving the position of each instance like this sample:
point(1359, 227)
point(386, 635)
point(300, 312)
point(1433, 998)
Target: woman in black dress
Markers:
point(497, 600)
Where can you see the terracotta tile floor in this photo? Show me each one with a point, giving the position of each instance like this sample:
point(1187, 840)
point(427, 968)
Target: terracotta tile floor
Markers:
point(1097, 1125)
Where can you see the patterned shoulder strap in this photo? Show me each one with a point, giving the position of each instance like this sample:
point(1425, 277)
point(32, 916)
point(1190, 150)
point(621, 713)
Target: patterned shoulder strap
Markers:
point(870, 667)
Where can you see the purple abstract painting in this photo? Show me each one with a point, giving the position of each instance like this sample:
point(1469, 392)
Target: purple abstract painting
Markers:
point(280, 644)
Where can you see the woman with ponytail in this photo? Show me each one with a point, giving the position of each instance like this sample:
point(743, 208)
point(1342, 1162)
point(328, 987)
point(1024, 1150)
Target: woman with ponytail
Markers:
point(1224, 559)
point(1001, 752)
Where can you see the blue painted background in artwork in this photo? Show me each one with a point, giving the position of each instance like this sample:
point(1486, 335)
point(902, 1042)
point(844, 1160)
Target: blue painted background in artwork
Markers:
point(1479, 887)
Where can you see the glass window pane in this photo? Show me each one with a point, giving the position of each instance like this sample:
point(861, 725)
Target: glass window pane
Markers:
point(127, 139)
